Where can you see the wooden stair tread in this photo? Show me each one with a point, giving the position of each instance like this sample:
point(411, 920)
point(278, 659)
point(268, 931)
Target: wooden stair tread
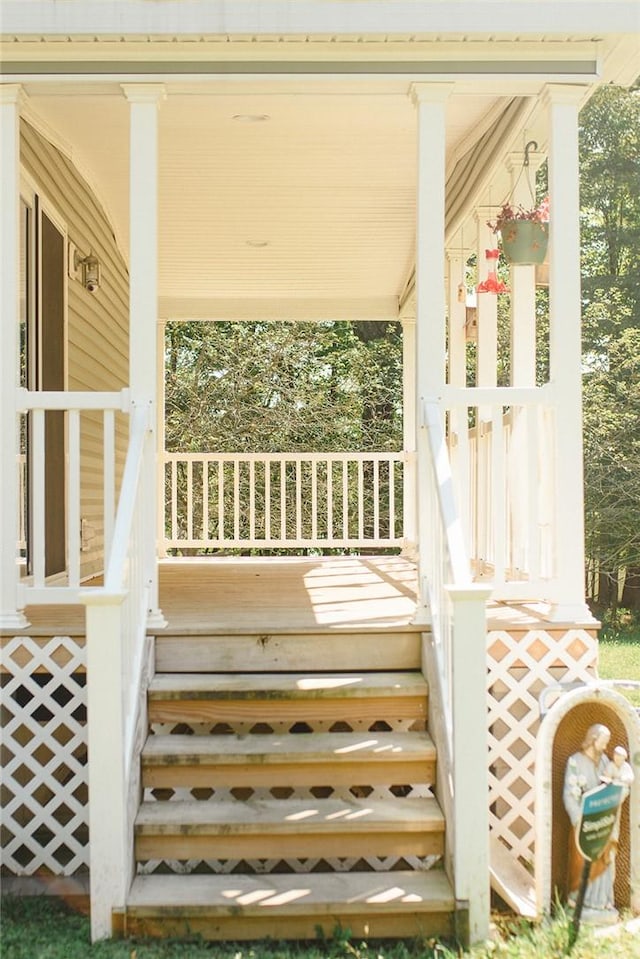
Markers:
point(291, 894)
point(336, 748)
point(286, 685)
point(277, 816)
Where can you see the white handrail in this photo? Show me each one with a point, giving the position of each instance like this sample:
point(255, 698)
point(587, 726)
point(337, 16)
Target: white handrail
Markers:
point(118, 664)
point(77, 408)
point(451, 521)
point(115, 565)
point(455, 665)
point(72, 400)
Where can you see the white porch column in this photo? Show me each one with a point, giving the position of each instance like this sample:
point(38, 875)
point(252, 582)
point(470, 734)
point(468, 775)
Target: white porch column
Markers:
point(565, 352)
point(459, 447)
point(409, 511)
point(430, 100)
point(523, 281)
point(160, 414)
point(487, 356)
point(10, 615)
point(144, 100)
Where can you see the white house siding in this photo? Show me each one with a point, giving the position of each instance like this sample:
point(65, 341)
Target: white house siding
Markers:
point(98, 324)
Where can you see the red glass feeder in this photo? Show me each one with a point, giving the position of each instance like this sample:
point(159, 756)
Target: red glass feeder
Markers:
point(492, 284)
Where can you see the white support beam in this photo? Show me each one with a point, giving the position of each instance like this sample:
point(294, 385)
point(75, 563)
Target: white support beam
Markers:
point(458, 419)
point(10, 615)
point(487, 361)
point(144, 100)
point(523, 278)
point(409, 436)
point(565, 352)
point(430, 101)
point(160, 433)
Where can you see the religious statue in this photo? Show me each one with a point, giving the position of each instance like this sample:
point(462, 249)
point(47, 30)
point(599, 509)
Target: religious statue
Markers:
point(584, 771)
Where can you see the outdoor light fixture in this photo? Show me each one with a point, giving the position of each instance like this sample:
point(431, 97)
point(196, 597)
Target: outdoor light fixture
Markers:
point(90, 270)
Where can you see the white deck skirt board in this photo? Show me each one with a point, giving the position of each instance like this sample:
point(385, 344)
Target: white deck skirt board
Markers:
point(252, 895)
point(282, 17)
point(275, 816)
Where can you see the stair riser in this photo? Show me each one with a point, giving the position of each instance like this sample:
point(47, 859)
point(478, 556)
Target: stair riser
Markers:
point(288, 846)
point(303, 710)
point(371, 925)
point(274, 653)
point(390, 772)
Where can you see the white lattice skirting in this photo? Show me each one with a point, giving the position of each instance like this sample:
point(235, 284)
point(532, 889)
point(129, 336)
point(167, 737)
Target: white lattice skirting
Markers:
point(520, 664)
point(44, 757)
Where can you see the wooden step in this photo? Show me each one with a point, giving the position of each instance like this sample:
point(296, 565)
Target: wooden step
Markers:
point(379, 649)
point(292, 828)
point(220, 697)
point(237, 907)
point(305, 759)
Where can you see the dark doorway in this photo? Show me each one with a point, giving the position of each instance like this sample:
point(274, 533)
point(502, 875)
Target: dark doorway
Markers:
point(50, 375)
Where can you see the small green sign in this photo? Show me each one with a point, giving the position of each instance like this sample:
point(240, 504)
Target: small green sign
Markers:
point(598, 817)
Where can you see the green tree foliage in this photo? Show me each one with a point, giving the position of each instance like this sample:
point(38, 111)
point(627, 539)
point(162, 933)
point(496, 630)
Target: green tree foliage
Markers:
point(283, 387)
point(610, 205)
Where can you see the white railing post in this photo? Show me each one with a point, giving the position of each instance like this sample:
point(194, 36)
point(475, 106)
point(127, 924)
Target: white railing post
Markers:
point(565, 352)
point(10, 615)
point(470, 754)
point(431, 101)
point(144, 100)
point(110, 845)
point(410, 531)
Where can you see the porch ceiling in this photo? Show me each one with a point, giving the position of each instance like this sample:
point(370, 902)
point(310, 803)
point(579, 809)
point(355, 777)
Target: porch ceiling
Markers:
point(308, 212)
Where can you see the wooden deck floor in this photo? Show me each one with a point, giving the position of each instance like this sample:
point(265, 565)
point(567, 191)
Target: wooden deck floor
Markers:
point(283, 593)
point(288, 594)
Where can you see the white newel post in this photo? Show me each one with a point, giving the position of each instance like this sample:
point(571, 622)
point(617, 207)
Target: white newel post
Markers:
point(565, 352)
point(470, 755)
point(144, 100)
point(109, 830)
point(409, 518)
point(430, 100)
point(11, 615)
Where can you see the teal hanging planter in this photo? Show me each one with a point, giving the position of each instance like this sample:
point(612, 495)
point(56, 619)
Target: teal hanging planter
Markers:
point(524, 241)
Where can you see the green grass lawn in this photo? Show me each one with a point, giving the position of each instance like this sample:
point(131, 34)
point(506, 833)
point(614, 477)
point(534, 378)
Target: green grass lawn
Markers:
point(41, 928)
point(620, 658)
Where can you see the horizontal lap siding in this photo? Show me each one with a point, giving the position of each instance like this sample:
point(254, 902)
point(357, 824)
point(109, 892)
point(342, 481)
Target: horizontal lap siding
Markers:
point(98, 323)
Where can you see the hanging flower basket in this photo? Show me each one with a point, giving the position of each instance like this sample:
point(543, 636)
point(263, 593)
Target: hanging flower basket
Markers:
point(524, 241)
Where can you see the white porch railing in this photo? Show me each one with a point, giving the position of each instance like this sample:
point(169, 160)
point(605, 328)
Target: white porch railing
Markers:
point(119, 662)
point(37, 587)
point(454, 661)
point(502, 447)
point(283, 500)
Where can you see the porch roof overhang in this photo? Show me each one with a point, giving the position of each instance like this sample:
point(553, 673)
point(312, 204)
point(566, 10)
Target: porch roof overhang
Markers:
point(288, 172)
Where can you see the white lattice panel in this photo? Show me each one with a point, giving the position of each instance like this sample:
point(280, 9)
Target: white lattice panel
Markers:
point(44, 757)
point(520, 665)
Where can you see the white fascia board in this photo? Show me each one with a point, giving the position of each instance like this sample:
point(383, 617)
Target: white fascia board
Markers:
point(291, 17)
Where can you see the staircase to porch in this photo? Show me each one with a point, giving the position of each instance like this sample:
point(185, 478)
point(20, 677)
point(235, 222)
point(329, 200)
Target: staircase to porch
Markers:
point(286, 785)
